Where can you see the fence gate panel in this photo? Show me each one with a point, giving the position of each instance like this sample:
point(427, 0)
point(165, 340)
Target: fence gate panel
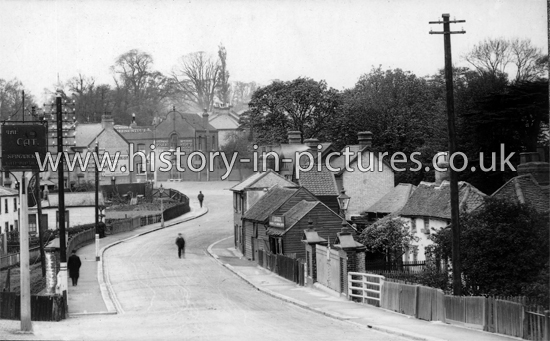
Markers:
point(334, 271)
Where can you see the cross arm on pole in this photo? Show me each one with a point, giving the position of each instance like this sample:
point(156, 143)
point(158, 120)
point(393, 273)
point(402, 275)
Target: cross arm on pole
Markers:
point(450, 21)
point(450, 32)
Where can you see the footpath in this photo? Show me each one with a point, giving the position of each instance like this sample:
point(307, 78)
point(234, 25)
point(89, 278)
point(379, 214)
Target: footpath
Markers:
point(327, 302)
point(91, 296)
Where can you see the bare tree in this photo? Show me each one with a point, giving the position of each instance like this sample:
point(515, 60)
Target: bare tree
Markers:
point(196, 78)
point(528, 60)
point(491, 55)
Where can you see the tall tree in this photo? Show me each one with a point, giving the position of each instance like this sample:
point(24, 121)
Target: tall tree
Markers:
point(224, 91)
point(138, 88)
point(196, 79)
point(303, 104)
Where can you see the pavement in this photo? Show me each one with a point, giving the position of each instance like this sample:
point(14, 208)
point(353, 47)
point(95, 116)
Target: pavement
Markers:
point(93, 294)
point(325, 301)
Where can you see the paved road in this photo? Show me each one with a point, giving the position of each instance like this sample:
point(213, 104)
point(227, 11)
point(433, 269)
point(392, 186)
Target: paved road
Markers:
point(163, 297)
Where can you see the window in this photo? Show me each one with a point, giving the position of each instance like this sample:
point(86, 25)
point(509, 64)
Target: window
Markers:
point(415, 253)
point(213, 142)
point(255, 230)
point(6, 205)
point(32, 223)
point(200, 142)
point(413, 225)
point(66, 219)
point(14, 204)
point(276, 245)
point(16, 225)
point(426, 222)
point(7, 175)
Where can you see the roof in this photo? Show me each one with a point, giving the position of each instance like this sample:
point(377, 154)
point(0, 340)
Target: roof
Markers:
point(297, 212)
point(109, 138)
point(86, 133)
point(136, 132)
point(346, 241)
point(266, 179)
point(73, 199)
point(393, 201)
point(312, 237)
point(224, 121)
point(6, 191)
point(524, 189)
point(357, 150)
point(269, 203)
point(319, 183)
point(433, 200)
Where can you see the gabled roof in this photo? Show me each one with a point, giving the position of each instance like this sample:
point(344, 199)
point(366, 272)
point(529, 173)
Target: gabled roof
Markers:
point(108, 138)
point(224, 121)
point(266, 179)
point(433, 200)
point(393, 201)
point(86, 133)
point(319, 183)
point(269, 203)
point(73, 199)
point(526, 190)
point(297, 212)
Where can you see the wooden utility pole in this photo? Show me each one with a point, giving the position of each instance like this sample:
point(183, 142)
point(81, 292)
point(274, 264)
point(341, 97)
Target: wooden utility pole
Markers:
point(455, 224)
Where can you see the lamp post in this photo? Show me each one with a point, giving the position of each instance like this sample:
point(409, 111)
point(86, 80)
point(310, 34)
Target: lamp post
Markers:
point(343, 202)
point(161, 192)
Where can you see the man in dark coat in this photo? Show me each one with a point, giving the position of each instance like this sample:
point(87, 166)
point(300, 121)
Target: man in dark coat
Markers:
point(201, 197)
point(180, 242)
point(74, 267)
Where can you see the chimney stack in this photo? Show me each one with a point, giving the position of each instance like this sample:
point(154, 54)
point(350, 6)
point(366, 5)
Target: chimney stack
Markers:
point(133, 124)
point(312, 143)
point(530, 164)
point(365, 139)
point(107, 121)
point(440, 176)
point(294, 137)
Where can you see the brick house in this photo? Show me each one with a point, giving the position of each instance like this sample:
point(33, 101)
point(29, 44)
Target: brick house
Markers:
point(429, 209)
point(285, 231)
point(248, 192)
point(255, 220)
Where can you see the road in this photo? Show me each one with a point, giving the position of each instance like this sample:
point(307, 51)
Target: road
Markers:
point(167, 298)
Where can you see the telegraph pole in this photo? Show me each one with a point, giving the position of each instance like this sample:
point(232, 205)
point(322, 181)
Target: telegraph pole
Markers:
point(455, 224)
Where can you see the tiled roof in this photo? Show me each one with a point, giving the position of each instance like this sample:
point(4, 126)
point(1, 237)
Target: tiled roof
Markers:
point(319, 183)
point(196, 121)
point(524, 189)
point(432, 200)
point(270, 202)
point(266, 179)
point(222, 121)
point(86, 133)
point(6, 192)
point(73, 199)
point(109, 138)
point(392, 201)
point(297, 212)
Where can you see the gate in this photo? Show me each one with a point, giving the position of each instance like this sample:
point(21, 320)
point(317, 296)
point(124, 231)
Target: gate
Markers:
point(329, 268)
point(367, 287)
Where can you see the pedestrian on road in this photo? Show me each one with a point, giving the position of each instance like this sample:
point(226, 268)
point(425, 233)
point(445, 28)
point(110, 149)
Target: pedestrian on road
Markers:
point(74, 267)
point(180, 242)
point(201, 197)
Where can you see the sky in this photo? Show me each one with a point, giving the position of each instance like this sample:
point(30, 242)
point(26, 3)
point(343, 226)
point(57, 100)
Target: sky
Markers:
point(336, 41)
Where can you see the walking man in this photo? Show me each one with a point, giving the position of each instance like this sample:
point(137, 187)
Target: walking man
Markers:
point(180, 242)
point(74, 267)
point(201, 197)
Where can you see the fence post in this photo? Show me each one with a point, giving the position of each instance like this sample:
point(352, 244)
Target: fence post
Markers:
point(547, 324)
point(416, 300)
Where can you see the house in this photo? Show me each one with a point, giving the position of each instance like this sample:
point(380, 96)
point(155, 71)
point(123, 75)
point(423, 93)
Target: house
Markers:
point(530, 186)
point(285, 231)
point(429, 209)
point(366, 178)
point(187, 131)
point(79, 210)
point(255, 220)
point(322, 184)
point(226, 122)
point(9, 210)
point(248, 192)
point(392, 202)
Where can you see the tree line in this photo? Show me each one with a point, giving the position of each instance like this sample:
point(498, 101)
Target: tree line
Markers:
point(407, 113)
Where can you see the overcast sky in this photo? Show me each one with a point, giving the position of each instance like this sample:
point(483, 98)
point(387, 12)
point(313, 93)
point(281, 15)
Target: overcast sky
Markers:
point(332, 40)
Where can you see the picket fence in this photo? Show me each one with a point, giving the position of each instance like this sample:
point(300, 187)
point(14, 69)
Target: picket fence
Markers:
point(286, 267)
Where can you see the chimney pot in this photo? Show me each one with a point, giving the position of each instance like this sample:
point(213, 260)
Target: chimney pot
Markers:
point(365, 139)
point(312, 143)
point(294, 137)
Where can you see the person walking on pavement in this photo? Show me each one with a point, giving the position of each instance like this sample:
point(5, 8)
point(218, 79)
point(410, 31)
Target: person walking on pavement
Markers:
point(180, 242)
point(201, 197)
point(74, 267)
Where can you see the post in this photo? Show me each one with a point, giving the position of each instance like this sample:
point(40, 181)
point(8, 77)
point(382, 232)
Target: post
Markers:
point(97, 247)
point(96, 192)
point(62, 276)
point(455, 223)
point(161, 211)
point(26, 324)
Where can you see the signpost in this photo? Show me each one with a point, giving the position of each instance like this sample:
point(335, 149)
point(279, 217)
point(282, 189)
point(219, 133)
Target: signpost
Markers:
point(20, 143)
point(277, 221)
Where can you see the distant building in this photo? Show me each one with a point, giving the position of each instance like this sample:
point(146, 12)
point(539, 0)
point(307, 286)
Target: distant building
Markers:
point(392, 202)
point(226, 122)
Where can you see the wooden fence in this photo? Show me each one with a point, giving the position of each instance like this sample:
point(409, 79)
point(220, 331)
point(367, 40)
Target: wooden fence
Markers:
point(286, 267)
point(507, 316)
point(43, 307)
point(8, 261)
